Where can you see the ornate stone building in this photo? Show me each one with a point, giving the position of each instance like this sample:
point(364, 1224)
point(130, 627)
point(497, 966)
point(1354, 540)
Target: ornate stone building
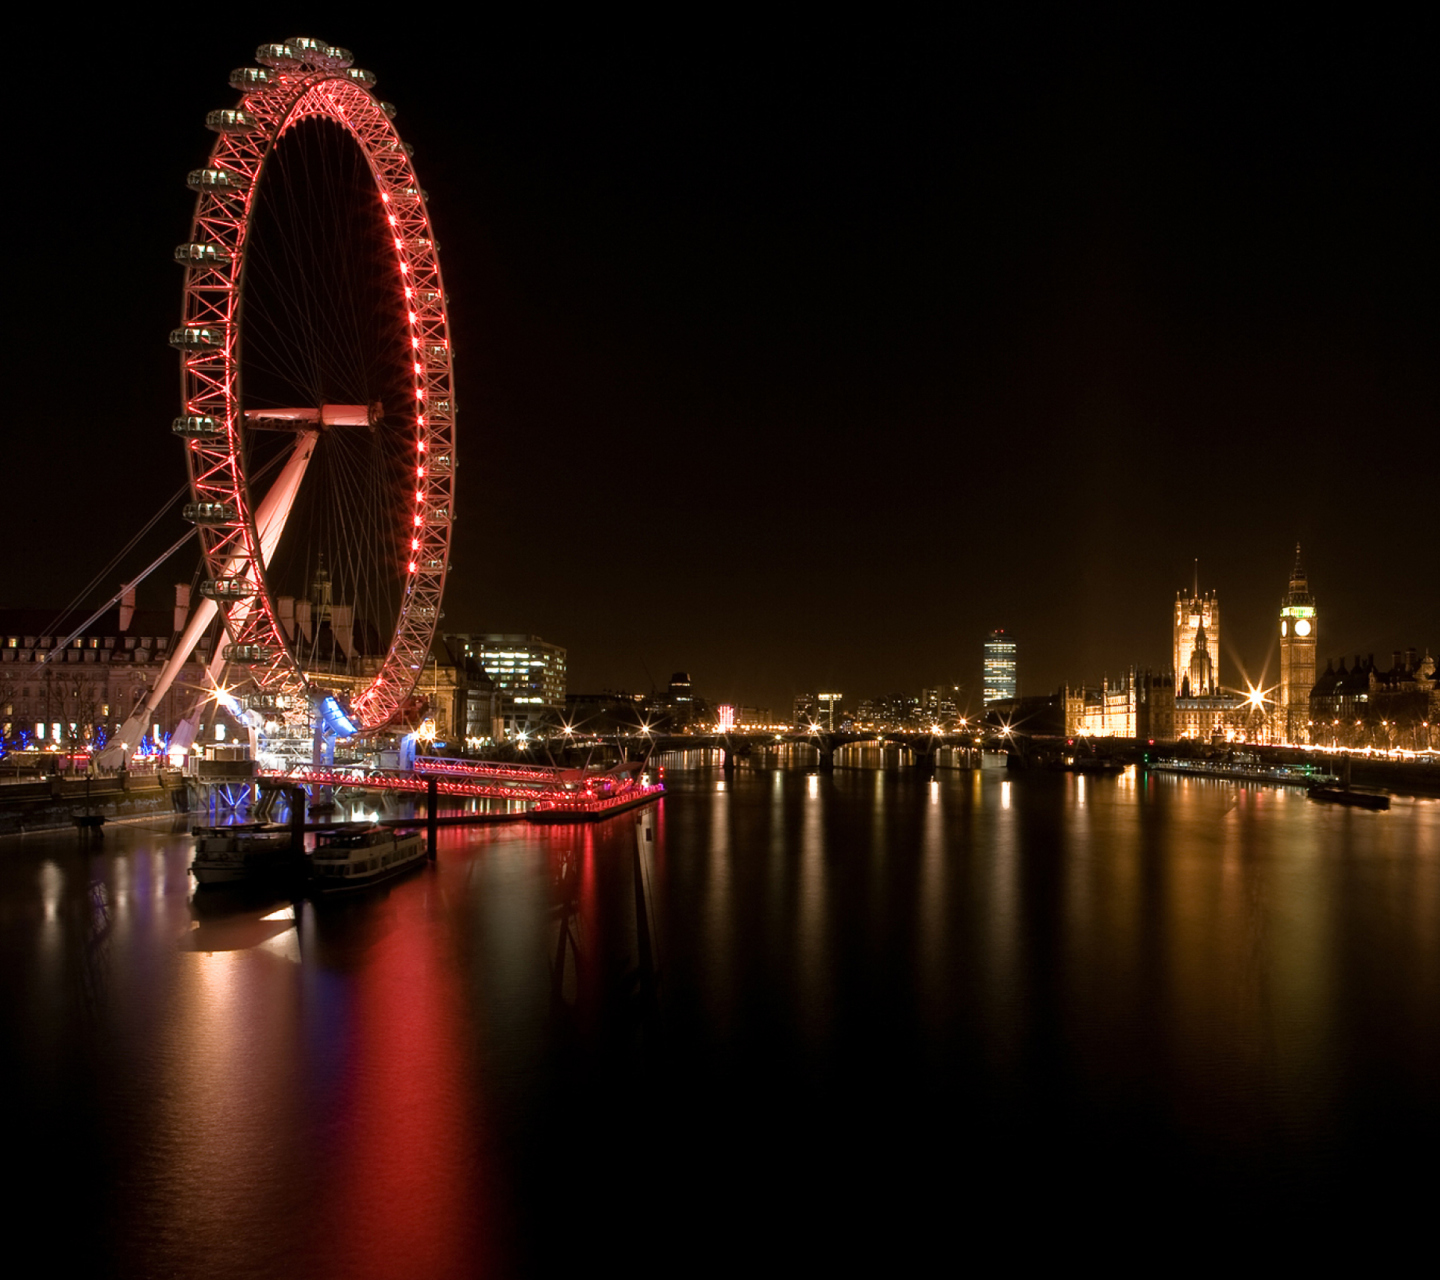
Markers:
point(1141, 705)
point(1299, 626)
point(1362, 706)
point(1197, 628)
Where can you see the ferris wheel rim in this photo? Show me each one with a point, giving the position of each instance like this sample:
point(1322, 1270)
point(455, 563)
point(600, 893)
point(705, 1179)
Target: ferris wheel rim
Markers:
point(306, 79)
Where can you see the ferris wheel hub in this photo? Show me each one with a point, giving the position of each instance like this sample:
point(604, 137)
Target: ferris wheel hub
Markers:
point(327, 415)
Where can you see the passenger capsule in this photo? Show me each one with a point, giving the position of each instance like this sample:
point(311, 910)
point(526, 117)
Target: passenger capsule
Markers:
point(337, 57)
point(227, 588)
point(209, 513)
point(307, 50)
point(229, 121)
point(389, 109)
point(197, 338)
point(441, 406)
point(250, 654)
point(221, 181)
point(263, 702)
point(197, 427)
point(365, 79)
point(279, 56)
point(438, 351)
point(440, 464)
point(248, 78)
point(196, 254)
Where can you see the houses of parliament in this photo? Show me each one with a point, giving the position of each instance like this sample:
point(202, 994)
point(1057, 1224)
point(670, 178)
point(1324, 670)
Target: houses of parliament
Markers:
point(1354, 706)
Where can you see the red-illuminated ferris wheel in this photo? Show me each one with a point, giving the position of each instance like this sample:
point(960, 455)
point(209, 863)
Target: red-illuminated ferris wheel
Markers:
point(318, 405)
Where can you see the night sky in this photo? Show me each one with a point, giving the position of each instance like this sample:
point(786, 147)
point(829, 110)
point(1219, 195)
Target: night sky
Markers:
point(801, 357)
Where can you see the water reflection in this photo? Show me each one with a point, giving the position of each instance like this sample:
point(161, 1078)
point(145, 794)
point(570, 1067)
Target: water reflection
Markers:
point(1185, 982)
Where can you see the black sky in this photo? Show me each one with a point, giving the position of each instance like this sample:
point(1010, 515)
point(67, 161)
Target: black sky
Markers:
point(800, 357)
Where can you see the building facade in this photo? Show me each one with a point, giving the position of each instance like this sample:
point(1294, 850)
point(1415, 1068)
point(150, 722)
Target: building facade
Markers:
point(1001, 682)
point(80, 697)
point(528, 673)
point(1141, 705)
point(1363, 706)
point(1106, 712)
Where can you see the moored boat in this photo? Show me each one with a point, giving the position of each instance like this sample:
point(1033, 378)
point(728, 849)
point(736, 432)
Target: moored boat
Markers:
point(1344, 793)
point(1245, 767)
point(1355, 797)
point(248, 851)
point(353, 859)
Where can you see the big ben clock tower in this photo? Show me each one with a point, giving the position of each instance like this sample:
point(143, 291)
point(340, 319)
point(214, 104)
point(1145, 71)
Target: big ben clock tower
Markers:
point(1297, 656)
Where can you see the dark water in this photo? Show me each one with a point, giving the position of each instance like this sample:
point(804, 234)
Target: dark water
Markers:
point(889, 1015)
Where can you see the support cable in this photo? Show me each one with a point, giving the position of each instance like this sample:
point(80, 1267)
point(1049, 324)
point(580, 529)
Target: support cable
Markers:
point(169, 505)
point(129, 586)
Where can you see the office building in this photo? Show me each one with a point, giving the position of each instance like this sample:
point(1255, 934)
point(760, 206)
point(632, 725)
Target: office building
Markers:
point(1000, 681)
point(528, 673)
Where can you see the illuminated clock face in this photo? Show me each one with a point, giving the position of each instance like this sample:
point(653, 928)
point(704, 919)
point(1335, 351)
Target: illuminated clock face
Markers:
point(1302, 627)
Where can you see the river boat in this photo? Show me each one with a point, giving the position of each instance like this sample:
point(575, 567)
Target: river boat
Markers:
point(245, 852)
point(1101, 766)
point(1344, 793)
point(1246, 767)
point(1355, 797)
point(349, 860)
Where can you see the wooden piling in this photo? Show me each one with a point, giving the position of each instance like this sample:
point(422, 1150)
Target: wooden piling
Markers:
point(432, 804)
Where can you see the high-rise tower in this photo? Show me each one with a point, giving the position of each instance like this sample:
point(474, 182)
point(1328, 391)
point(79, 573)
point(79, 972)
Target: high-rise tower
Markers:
point(1297, 655)
point(1000, 663)
point(1196, 614)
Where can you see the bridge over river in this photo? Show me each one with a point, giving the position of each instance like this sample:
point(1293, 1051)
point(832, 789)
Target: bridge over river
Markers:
point(924, 750)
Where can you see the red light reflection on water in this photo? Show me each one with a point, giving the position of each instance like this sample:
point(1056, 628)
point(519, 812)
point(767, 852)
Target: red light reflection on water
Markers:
point(405, 1191)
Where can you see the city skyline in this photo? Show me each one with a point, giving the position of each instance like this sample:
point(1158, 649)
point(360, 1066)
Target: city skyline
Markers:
point(877, 598)
point(889, 297)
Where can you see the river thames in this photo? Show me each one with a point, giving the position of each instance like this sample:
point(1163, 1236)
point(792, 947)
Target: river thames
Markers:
point(886, 1014)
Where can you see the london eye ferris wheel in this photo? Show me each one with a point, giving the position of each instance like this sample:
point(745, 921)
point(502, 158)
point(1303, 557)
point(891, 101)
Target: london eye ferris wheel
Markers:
point(317, 388)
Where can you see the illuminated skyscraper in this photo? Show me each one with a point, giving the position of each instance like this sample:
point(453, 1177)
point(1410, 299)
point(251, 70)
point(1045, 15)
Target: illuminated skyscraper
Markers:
point(1297, 656)
point(1000, 663)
